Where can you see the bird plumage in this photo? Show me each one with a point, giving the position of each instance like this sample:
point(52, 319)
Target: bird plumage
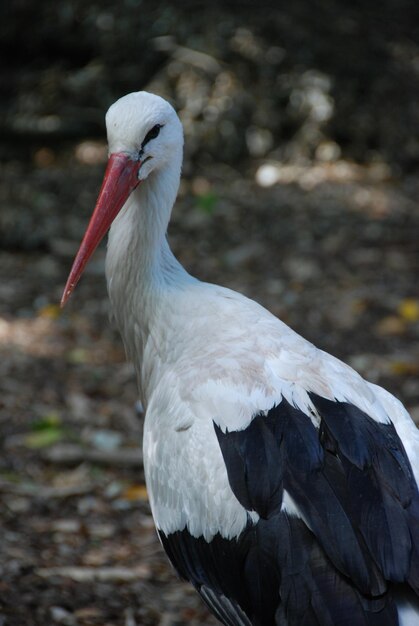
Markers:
point(282, 484)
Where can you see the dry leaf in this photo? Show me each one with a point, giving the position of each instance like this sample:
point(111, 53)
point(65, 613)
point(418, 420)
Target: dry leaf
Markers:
point(50, 311)
point(405, 368)
point(391, 325)
point(135, 492)
point(408, 309)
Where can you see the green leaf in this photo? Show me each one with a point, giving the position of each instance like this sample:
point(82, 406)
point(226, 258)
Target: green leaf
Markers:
point(50, 420)
point(207, 202)
point(43, 438)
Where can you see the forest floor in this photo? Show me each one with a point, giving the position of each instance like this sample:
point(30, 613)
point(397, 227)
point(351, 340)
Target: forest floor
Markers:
point(332, 250)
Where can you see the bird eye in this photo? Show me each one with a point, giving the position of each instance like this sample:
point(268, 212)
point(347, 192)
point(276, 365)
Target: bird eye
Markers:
point(152, 134)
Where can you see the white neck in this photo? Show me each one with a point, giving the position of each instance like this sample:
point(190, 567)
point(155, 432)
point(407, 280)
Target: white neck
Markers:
point(141, 269)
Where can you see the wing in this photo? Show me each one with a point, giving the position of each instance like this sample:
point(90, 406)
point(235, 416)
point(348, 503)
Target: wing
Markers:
point(337, 524)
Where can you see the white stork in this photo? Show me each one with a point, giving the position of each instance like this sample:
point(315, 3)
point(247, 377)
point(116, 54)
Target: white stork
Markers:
point(283, 486)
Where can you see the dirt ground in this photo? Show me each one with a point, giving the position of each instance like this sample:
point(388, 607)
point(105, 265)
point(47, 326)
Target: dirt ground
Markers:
point(300, 189)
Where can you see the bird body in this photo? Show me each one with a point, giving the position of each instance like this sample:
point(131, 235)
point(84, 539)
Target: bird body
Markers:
point(282, 484)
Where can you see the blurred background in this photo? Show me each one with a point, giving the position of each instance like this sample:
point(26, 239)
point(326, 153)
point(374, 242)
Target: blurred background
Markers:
point(300, 188)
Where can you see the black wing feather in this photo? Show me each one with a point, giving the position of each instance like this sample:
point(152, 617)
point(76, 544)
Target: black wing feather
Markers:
point(358, 534)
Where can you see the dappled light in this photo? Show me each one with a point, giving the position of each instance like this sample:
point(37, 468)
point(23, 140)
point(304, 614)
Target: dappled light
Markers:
point(310, 175)
point(91, 152)
point(35, 337)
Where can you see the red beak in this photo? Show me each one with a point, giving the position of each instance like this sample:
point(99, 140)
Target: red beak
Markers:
point(120, 180)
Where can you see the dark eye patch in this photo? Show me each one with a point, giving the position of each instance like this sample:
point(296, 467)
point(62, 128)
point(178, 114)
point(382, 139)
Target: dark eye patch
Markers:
point(152, 134)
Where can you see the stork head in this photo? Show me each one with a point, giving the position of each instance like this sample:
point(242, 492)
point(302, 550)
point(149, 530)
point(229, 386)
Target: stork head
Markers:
point(144, 136)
